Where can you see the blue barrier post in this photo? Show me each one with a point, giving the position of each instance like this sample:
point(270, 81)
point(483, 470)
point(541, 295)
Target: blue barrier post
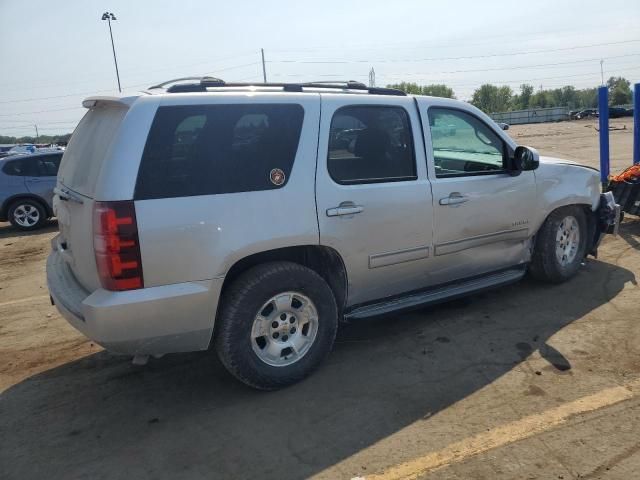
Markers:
point(636, 123)
point(603, 117)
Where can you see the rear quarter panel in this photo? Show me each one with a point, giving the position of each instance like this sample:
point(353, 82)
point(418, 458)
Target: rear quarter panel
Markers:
point(201, 237)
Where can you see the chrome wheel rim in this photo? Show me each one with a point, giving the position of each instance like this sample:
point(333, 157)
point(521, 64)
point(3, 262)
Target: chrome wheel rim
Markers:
point(26, 215)
point(567, 240)
point(284, 329)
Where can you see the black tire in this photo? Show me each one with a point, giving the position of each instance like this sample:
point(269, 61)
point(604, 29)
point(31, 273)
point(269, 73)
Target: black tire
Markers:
point(545, 264)
point(244, 299)
point(27, 205)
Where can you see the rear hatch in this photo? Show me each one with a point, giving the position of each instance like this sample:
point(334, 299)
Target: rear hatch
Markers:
point(88, 149)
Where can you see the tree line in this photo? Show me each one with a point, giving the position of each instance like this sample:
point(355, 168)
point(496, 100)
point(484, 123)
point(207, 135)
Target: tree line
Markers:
point(31, 139)
point(492, 98)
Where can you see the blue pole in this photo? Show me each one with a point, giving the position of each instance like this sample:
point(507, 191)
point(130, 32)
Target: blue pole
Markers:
point(603, 111)
point(636, 123)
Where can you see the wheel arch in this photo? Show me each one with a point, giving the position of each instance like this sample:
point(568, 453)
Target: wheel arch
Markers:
point(590, 216)
point(4, 210)
point(324, 260)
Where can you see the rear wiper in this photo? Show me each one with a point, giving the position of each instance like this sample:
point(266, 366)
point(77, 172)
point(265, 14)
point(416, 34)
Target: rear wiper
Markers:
point(68, 195)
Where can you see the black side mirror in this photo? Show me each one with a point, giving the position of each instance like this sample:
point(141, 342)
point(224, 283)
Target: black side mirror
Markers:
point(504, 126)
point(524, 159)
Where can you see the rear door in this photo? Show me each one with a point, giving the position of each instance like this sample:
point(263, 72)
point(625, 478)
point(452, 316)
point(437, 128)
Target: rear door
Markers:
point(481, 213)
point(42, 180)
point(373, 196)
point(89, 148)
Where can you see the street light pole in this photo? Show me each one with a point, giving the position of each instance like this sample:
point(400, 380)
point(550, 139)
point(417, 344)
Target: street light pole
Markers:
point(108, 16)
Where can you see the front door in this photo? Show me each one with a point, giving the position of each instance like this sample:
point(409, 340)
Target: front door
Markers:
point(481, 213)
point(373, 197)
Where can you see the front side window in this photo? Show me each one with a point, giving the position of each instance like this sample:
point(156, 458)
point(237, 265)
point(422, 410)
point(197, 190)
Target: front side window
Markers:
point(215, 149)
point(371, 144)
point(464, 145)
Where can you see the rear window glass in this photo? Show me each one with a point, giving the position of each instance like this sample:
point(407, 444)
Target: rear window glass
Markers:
point(88, 148)
point(214, 149)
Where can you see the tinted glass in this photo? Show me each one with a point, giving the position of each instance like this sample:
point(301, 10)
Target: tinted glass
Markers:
point(213, 149)
point(48, 165)
point(371, 144)
point(463, 144)
point(25, 167)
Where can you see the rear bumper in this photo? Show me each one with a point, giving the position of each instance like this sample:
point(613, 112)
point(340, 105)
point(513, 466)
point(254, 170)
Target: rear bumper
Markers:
point(148, 321)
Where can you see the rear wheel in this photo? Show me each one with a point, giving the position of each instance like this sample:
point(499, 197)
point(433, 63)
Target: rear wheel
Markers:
point(27, 214)
point(561, 245)
point(277, 322)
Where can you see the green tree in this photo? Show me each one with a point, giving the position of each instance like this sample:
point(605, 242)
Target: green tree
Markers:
point(434, 90)
point(619, 91)
point(492, 99)
point(521, 101)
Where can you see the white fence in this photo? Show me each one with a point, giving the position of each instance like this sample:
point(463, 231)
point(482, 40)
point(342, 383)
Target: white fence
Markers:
point(532, 115)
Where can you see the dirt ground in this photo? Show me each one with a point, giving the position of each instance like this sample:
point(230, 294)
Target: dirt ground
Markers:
point(530, 381)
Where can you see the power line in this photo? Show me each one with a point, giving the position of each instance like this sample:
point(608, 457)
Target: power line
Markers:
point(465, 57)
point(111, 89)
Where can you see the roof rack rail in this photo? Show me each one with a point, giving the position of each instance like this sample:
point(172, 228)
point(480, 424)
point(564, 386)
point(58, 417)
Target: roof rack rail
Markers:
point(202, 80)
point(211, 82)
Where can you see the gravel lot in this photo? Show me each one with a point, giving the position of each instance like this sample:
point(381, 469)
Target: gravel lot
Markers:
point(530, 381)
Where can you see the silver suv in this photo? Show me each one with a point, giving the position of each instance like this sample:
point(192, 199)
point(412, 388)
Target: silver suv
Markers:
point(255, 217)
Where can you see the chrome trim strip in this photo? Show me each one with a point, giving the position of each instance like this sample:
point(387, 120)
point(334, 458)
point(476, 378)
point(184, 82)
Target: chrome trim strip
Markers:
point(399, 256)
point(459, 245)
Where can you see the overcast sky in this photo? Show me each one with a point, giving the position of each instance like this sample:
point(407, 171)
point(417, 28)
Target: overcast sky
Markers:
point(54, 53)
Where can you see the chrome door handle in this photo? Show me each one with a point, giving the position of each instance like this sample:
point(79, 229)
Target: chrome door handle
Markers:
point(454, 199)
point(345, 208)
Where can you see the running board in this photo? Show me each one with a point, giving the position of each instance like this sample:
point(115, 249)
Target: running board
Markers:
point(438, 294)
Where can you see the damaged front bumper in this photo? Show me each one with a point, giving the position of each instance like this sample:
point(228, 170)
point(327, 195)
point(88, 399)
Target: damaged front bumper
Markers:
point(607, 220)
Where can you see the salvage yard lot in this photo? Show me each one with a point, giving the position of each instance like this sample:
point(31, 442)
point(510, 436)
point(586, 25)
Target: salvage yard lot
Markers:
point(530, 381)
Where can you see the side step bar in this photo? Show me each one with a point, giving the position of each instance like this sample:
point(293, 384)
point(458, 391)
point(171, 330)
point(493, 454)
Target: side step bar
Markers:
point(438, 294)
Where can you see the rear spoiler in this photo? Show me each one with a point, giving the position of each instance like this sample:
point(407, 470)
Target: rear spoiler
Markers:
point(90, 102)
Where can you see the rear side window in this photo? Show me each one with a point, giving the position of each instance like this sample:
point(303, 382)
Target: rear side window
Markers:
point(25, 167)
point(371, 144)
point(214, 149)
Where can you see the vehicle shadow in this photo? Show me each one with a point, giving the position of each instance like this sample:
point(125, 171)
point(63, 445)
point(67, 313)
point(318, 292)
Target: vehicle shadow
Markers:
point(9, 231)
point(183, 416)
point(630, 231)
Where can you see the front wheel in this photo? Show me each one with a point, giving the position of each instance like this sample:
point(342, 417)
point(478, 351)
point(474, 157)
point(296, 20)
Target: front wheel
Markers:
point(560, 246)
point(277, 322)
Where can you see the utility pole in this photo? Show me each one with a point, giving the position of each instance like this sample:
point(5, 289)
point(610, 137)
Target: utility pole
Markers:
point(108, 16)
point(36, 133)
point(602, 72)
point(372, 77)
point(264, 70)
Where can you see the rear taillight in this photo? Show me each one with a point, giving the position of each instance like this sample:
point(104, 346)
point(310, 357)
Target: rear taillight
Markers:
point(116, 245)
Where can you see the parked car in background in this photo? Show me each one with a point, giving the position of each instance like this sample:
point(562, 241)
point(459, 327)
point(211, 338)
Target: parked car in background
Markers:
point(4, 150)
point(617, 112)
point(22, 149)
point(26, 188)
point(586, 113)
